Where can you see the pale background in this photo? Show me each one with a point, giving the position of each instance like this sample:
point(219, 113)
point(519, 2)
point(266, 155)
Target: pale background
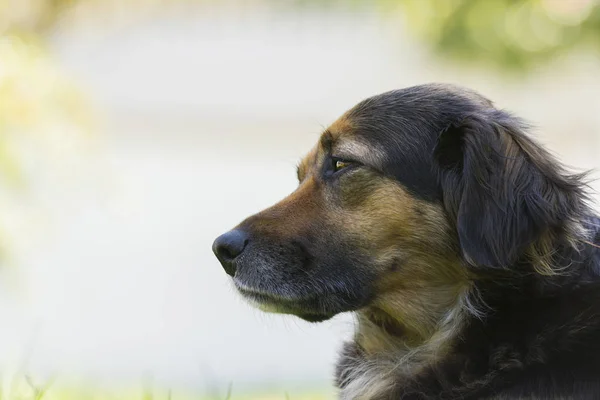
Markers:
point(200, 119)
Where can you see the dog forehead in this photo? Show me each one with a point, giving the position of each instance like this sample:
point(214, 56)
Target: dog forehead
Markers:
point(343, 126)
point(337, 133)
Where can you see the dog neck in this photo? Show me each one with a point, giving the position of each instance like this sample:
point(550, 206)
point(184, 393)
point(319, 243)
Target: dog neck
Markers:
point(388, 327)
point(388, 348)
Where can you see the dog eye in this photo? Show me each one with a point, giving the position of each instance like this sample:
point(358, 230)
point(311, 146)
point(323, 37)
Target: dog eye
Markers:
point(336, 165)
point(340, 164)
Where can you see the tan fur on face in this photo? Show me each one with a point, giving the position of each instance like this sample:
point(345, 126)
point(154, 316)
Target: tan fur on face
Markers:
point(423, 290)
point(421, 293)
point(342, 126)
point(410, 242)
point(291, 217)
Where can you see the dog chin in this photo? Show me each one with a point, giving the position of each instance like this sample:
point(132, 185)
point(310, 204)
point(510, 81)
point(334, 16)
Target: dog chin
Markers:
point(278, 305)
point(306, 315)
point(314, 317)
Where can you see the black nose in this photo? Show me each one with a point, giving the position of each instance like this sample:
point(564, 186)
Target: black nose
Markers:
point(228, 246)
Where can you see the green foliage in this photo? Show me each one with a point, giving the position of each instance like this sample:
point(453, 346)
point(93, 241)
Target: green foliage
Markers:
point(514, 35)
point(506, 33)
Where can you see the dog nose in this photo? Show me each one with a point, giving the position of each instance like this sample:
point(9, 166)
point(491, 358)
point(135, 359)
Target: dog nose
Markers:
point(228, 246)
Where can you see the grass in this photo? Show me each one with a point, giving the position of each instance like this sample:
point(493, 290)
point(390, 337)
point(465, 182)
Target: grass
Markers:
point(27, 389)
point(80, 394)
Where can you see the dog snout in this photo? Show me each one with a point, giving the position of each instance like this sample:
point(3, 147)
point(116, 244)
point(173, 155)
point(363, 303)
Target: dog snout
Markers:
point(228, 247)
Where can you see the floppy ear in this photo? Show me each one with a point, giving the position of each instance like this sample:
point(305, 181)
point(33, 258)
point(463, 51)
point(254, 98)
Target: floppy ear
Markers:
point(503, 190)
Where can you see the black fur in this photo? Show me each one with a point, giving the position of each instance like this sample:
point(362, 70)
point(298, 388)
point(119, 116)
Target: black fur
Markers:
point(512, 222)
point(501, 188)
point(539, 337)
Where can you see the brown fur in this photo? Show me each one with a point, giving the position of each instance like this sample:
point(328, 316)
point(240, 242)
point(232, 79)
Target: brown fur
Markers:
point(431, 215)
point(414, 249)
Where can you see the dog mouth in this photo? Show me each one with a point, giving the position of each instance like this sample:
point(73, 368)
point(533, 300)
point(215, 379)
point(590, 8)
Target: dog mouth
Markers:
point(309, 308)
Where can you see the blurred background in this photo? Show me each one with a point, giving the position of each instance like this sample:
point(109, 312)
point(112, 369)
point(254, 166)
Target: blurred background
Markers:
point(133, 132)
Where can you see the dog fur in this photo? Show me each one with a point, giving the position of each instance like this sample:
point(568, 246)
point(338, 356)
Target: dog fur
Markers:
point(468, 255)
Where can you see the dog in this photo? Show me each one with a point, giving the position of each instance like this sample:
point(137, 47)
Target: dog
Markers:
point(469, 256)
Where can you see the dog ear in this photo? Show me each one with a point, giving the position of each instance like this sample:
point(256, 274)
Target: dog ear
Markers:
point(503, 190)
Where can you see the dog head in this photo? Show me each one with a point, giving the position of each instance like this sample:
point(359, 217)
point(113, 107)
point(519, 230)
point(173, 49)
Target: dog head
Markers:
point(402, 201)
